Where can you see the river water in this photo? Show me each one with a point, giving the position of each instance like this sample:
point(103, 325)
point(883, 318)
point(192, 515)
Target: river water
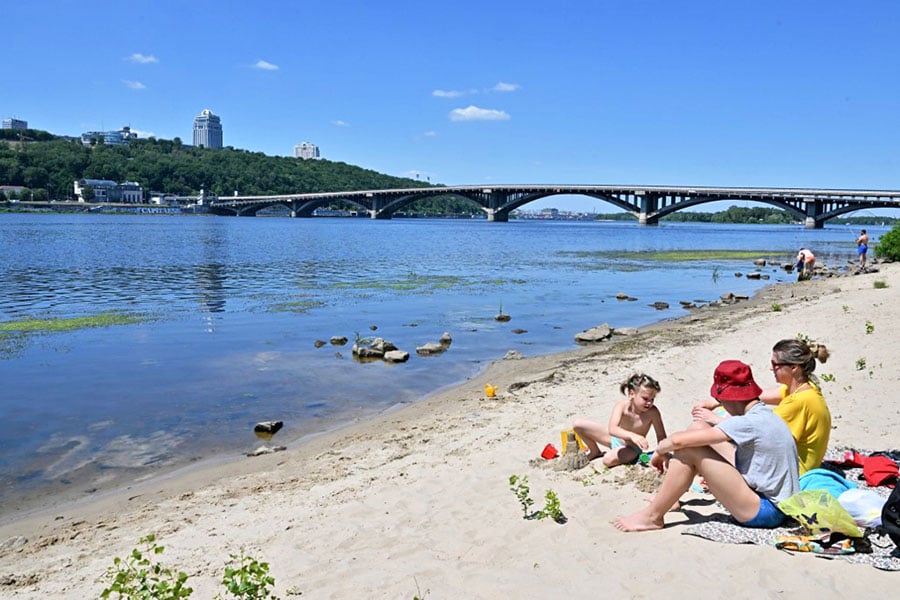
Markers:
point(230, 309)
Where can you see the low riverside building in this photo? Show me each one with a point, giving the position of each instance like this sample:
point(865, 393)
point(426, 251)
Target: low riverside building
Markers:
point(105, 190)
point(11, 123)
point(110, 138)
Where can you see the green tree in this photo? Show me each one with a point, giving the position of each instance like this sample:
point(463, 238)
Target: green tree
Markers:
point(889, 245)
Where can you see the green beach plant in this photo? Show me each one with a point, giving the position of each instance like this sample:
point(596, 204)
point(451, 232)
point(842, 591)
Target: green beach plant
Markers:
point(248, 579)
point(552, 508)
point(139, 576)
point(776, 307)
point(861, 363)
point(889, 244)
point(519, 487)
point(880, 284)
point(827, 377)
point(870, 327)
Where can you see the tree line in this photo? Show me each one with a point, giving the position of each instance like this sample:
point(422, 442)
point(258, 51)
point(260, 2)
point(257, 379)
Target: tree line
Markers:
point(47, 166)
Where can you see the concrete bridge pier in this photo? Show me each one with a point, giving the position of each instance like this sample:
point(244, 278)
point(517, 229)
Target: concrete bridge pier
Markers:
point(497, 216)
point(813, 210)
point(649, 205)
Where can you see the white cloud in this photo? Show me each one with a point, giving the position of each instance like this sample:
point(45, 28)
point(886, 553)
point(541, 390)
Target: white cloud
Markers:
point(506, 87)
point(340, 123)
point(142, 59)
point(452, 93)
point(430, 134)
point(142, 134)
point(474, 113)
point(134, 85)
point(265, 66)
point(447, 93)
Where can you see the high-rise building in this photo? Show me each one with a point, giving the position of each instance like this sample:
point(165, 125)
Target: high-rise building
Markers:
point(207, 130)
point(14, 124)
point(306, 150)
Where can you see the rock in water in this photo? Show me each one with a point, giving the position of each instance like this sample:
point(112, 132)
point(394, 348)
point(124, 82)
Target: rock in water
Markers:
point(270, 427)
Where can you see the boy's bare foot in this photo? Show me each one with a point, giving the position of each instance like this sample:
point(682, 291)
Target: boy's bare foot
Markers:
point(676, 506)
point(639, 521)
point(591, 455)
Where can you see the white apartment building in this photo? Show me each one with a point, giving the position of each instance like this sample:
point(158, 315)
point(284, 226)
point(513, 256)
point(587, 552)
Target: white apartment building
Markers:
point(207, 130)
point(306, 150)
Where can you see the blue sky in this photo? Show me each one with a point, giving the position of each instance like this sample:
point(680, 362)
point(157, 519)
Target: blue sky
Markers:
point(764, 93)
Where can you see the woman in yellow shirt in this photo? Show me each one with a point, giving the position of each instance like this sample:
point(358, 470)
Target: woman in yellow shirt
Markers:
point(798, 399)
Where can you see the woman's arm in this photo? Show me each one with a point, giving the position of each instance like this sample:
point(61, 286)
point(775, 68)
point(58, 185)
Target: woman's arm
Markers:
point(772, 395)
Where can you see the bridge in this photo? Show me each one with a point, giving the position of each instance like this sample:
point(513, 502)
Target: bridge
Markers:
point(648, 203)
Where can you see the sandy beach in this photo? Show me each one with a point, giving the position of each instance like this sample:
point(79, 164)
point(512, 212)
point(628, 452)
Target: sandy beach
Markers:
point(417, 502)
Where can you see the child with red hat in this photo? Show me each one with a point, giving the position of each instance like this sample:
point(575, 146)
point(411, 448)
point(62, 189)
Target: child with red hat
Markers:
point(763, 470)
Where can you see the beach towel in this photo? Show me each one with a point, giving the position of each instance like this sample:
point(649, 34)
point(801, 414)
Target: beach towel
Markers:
point(722, 528)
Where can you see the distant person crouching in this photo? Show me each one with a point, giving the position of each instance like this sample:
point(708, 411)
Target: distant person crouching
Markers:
point(806, 261)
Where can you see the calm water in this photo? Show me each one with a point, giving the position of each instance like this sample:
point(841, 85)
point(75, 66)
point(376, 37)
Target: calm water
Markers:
point(232, 308)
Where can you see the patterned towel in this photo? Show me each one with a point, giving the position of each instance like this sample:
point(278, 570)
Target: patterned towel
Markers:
point(723, 528)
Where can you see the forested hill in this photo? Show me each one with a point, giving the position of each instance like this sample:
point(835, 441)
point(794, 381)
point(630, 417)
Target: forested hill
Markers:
point(51, 166)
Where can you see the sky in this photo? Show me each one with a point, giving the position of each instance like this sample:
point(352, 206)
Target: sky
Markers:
point(765, 93)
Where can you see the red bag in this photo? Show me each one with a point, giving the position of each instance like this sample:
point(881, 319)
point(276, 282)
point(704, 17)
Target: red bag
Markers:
point(880, 470)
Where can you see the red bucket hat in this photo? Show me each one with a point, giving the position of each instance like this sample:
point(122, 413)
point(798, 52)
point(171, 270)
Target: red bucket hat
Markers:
point(733, 382)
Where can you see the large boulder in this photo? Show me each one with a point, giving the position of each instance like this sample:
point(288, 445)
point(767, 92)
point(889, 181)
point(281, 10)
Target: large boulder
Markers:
point(430, 348)
point(594, 334)
point(396, 356)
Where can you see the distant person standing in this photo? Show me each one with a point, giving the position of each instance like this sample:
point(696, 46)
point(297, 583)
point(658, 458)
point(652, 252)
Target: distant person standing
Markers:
point(862, 246)
point(806, 260)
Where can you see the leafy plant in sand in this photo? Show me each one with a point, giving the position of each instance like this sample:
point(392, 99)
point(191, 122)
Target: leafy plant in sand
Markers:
point(140, 577)
point(870, 327)
point(552, 508)
point(880, 284)
point(519, 487)
point(248, 579)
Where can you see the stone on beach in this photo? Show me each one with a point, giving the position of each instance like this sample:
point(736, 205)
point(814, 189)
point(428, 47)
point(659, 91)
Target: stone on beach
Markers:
point(594, 334)
point(266, 450)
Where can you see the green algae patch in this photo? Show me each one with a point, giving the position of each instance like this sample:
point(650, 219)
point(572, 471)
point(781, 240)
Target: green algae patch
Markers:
point(297, 306)
point(676, 255)
point(105, 319)
point(420, 284)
